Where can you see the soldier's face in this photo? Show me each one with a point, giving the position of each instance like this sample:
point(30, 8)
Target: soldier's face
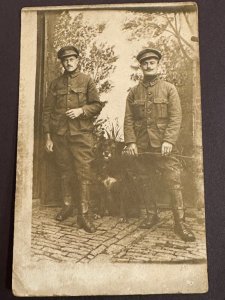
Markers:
point(70, 63)
point(150, 67)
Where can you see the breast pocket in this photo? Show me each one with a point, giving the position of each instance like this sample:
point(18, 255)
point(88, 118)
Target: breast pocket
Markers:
point(81, 94)
point(160, 108)
point(138, 108)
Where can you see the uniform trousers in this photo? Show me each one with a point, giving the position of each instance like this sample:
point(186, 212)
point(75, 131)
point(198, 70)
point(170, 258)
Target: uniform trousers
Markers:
point(73, 156)
point(148, 163)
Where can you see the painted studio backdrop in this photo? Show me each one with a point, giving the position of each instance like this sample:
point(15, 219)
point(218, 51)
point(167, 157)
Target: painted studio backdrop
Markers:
point(108, 42)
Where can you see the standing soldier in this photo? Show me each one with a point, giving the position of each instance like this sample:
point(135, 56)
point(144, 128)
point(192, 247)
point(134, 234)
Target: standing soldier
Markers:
point(71, 104)
point(152, 124)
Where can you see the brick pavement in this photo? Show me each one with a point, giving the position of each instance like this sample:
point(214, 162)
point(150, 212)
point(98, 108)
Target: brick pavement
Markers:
point(114, 241)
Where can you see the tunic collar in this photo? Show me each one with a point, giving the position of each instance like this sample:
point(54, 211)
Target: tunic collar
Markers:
point(146, 82)
point(72, 74)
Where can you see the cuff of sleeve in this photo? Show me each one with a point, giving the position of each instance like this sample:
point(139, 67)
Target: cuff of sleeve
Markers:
point(172, 143)
point(83, 111)
point(130, 141)
point(85, 114)
point(46, 130)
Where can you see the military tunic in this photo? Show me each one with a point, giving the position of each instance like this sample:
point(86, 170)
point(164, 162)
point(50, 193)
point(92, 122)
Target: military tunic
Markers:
point(72, 138)
point(153, 116)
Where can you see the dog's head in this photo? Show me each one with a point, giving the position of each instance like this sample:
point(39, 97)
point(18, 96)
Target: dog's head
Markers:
point(109, 149)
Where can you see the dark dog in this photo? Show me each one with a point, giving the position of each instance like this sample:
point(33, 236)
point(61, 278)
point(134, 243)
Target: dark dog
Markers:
point(116, 189)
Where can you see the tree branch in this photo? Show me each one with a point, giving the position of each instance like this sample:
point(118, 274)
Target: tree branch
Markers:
point(179, 23)
point(176, 33)
point(188, 23)
point(175, 18)
point(179, 36)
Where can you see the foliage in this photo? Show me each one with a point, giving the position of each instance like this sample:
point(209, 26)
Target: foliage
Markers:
point(99, 130)
point(165, 33)
point(113, 130)
point(95, 59)
point(100, 63)
point(107, 129)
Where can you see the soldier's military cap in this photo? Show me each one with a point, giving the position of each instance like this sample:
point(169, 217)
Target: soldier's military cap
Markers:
point(148, 53)
point(67, 51)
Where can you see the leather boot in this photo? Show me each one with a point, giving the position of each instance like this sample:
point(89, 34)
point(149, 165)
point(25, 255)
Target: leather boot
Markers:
point(67, 209)
point(83, 218)
point(151, 209)
point(180, 228)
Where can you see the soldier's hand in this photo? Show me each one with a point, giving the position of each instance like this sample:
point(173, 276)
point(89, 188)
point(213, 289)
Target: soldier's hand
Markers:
point(132, 149)
point(74, 112)
point(166, 148)
point(49, 145)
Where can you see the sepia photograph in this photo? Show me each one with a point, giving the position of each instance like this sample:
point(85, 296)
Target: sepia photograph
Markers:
point(110, 182)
